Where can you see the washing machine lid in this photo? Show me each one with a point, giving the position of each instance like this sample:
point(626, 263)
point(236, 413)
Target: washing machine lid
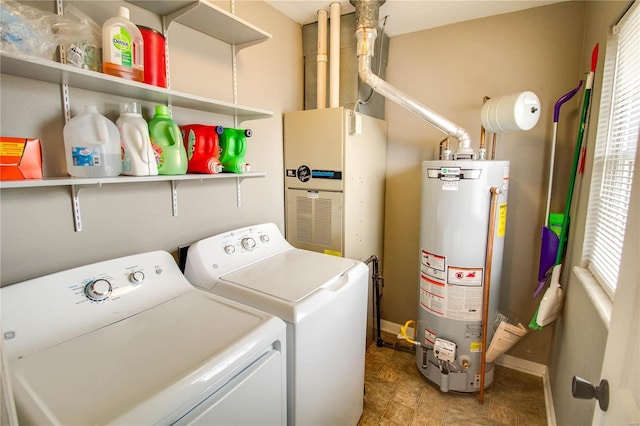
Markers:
point(149, 368)
point(291, 275)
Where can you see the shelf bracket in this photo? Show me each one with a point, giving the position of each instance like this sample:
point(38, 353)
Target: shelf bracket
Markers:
point(174, 198)
point(77, 217)
point(238, 192)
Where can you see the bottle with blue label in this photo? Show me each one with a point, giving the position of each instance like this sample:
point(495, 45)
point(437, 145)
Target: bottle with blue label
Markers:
point(233, 146)
point(92, 145)
point(166, 139)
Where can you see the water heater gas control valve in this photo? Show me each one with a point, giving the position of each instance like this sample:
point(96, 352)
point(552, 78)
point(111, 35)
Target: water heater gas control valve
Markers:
point(444, 350)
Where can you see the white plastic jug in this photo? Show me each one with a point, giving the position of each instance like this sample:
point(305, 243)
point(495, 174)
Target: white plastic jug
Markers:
point(138, 158)
point(92, 145)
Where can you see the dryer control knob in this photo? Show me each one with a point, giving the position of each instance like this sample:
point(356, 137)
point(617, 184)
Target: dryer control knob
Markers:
point(229, 249)
point(98, 290)
point(248, 243)
point(264, 238)
point(136, 277)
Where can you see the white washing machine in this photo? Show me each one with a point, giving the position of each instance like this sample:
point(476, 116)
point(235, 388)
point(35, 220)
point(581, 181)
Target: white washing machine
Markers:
point(130, 341)
point(323, 300)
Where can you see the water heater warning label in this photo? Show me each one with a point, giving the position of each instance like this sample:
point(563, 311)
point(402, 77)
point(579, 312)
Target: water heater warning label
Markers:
point(433, 266)
point(432, 296)
point(450, 291)
point(465, 276)
point(464, 293)
point(502, 220)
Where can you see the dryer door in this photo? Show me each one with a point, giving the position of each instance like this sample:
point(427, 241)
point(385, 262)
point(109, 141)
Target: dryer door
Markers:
point(254, 397)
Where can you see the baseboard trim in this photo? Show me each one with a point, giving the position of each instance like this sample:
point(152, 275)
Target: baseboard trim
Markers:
point(508, 361)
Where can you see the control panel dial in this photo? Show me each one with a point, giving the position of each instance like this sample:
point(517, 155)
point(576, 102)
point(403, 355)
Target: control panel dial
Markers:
point(136, 277)
point(98, 290)
point(264, 238)
point(248, 243)
point(229, 249)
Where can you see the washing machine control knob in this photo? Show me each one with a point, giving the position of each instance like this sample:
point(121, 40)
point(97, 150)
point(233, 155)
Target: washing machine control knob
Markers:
point(136, 277)
point(248, 243)
point(264, 238)
point(229, 249)
point(98, 290)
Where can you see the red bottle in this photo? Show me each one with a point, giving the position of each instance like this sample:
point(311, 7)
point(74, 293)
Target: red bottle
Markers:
point(203, 147)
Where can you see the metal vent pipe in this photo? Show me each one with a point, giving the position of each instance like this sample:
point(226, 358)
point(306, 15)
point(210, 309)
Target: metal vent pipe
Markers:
point(367, 12)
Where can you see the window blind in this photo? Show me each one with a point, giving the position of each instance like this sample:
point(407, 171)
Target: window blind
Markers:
point(614, 155)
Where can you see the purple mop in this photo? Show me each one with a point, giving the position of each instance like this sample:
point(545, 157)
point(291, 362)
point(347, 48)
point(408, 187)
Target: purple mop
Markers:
point(550, 240)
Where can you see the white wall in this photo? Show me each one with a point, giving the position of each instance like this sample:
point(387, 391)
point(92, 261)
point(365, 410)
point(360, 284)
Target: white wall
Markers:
point(37, 235)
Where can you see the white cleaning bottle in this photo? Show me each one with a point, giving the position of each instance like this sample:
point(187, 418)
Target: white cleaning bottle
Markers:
point(138, 158)
point(92, 145)
point(122, 47)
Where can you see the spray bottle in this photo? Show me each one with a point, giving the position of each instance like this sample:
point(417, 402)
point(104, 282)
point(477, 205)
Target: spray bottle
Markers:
point(233, 144)
point(167, 143)
point(138, 158)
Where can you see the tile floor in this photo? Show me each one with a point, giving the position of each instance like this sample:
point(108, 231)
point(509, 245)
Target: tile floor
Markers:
point(396, 393)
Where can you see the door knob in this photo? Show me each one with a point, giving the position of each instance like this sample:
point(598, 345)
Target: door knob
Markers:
point(582, 389)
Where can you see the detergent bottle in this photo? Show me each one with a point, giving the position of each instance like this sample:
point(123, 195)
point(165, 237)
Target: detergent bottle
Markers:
point(92, 145)
point(167, 143)
point(122, 47)
point(203, 147)
point(138, 158)
point(233, 145)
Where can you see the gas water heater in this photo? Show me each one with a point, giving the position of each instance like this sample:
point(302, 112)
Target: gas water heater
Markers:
point(455, 213)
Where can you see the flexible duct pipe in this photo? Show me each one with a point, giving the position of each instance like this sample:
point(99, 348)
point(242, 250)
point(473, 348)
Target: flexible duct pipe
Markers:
point(334, 56)
point(321, 60)
point(366, 33)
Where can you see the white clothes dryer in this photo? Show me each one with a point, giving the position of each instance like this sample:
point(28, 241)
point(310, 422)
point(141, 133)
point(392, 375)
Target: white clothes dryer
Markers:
point(130, 341)
point(322, 299)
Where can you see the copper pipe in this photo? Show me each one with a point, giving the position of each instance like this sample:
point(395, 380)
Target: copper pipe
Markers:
point(493, 147)
point(482, 130)
point(444, 142)
point(495, 193)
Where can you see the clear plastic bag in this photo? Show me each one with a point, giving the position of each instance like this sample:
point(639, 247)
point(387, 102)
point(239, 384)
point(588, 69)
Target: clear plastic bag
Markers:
point(28, 31)
point(82, 39)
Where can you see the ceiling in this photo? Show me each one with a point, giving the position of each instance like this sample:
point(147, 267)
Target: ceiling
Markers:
point(406, 16)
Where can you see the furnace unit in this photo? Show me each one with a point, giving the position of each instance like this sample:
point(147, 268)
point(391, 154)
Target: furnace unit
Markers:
point(335, 163)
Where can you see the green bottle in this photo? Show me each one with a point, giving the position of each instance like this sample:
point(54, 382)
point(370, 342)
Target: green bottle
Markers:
point(233, 146)
point(166, 139)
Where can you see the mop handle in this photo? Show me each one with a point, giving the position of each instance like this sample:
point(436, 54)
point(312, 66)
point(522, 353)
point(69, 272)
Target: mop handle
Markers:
point(576, 154)
point(556, 117)
point(563, 99)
